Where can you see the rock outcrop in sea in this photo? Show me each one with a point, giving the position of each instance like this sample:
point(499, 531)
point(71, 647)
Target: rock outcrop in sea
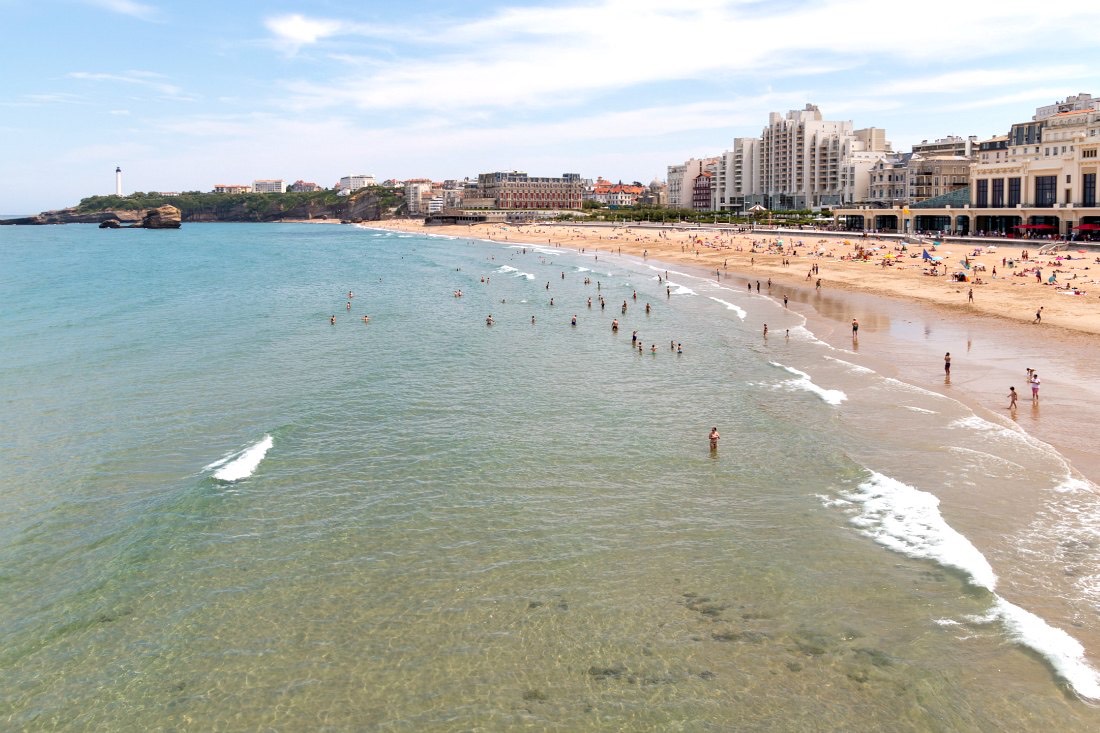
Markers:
point(162, 217)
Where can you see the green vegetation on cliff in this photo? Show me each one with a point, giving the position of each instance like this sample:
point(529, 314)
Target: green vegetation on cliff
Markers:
point(371, 202)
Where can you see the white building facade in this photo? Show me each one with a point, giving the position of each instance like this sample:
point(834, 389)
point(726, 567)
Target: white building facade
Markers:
point(681, 180)
point(354, 183)
point(800, 161)
point(269, 185)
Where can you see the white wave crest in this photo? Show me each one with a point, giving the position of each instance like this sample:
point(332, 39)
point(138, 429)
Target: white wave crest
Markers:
point(505, 269)
point(1064, 653)
point(803, 382)
point(242, 464)
point(857, 368)
point(730, 306)
point(680, 289)
point(908, 521)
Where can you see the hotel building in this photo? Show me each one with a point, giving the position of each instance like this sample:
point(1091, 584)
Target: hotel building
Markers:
point(516, 190)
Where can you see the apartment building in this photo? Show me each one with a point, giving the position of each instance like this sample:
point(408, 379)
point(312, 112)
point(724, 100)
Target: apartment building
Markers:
point(418, 192)
point(232, 188)
point(269, 185)
point(354, 183)
point(800, 161)
point(681, 180)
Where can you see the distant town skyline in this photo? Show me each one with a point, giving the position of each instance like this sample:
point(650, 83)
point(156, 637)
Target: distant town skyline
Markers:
point(186, 95)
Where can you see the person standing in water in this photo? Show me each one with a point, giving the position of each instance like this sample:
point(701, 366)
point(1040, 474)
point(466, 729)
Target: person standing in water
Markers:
point(714, 437)
point(1012, 398)
point(947, 363)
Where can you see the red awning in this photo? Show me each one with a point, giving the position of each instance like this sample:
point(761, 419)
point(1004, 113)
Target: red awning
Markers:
point(1088, 226)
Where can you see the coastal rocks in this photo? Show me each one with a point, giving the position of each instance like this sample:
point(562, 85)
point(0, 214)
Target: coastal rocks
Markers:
point(71, 216)
point(110, 224)
point(162, 217)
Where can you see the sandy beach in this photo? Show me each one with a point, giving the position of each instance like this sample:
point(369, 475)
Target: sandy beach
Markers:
point(1004, 284)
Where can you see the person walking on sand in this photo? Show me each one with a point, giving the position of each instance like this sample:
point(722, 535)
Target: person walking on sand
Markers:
point(1039, 315)
point(1012, 398)
point(714, 438)
point(1035, 388)
point(947, 363)
point(970, 296)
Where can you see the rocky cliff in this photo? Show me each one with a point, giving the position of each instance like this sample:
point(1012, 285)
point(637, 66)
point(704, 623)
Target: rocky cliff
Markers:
point(71, 216)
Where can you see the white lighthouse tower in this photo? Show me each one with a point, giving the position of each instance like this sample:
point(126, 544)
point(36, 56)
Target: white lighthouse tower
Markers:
point(118, 181)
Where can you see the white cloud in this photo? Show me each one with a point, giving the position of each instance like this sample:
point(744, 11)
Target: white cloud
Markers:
point(127, 7)
point(146, 79)
point(561, 56)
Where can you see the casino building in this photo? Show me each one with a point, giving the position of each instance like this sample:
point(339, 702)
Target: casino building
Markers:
point(1038, 181)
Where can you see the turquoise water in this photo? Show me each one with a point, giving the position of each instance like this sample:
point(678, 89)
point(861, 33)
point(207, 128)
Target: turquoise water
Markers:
point(220, 512)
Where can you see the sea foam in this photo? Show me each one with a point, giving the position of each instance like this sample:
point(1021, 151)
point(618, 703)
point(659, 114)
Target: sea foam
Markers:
point(242, 464)
point(730, 306)
point(908, 521)
point(857, 368)
point(506, 269)
point(803, 382)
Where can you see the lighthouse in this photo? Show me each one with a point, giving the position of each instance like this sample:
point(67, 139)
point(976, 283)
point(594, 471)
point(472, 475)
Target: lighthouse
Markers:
point(118, 181)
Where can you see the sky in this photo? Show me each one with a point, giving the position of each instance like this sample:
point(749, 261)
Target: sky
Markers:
point(186, 95)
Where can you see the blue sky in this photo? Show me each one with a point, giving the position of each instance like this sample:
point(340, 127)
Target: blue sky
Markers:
point(184, 95)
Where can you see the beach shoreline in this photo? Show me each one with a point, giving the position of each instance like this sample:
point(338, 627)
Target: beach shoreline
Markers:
point(993, 340)
point(906, 337)
point(1014, 294)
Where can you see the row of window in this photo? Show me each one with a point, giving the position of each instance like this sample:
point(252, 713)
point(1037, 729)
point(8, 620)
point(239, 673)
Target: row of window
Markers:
point(1006, 192)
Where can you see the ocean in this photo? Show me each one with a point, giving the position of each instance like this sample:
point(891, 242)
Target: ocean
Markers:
point(221, 511)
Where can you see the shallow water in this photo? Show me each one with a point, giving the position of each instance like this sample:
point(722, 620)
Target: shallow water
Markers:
point(222, 512)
